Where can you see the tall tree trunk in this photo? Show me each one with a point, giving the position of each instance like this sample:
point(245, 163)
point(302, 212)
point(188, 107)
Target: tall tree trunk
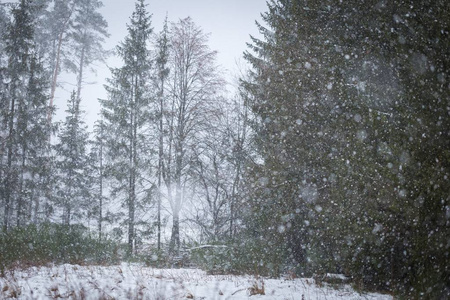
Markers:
point(133, 161)
point(34, 200)
point(161, 157)
point(233, 198)
point(160, 166)
point(174, 247)
point(100, 217)
point(131, 200)
point(80, 73)
point(8, 182)
point(57, 64)
point(131, 205)
point(175, 238)
point(21, 200)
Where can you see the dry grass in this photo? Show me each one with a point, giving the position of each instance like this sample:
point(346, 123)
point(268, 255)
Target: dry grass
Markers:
point(256, 289)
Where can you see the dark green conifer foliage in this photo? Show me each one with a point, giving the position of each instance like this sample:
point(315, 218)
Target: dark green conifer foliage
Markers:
point(24, 149)
point(125, 114)
point(352, 131)
point(73, 188)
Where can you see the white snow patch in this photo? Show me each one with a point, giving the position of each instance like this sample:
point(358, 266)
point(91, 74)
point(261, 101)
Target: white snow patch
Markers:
point(133, 281)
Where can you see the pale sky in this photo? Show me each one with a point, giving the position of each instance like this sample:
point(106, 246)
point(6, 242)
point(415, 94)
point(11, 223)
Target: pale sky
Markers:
point(230, 24)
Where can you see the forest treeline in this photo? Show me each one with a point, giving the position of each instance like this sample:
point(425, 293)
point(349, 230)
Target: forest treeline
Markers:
point(332, 156)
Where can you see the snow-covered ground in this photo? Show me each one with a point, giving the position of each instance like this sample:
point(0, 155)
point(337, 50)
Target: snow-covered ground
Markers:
point(132, 281)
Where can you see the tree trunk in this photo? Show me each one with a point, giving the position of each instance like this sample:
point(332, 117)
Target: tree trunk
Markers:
point(160, 162)
point(100, 217)
point(80, 74)
point(133, 163)
point(131, 201)
point(233, 198)
point(57, 65)
point(174, 246)
point(21, 200)
point(8, 182)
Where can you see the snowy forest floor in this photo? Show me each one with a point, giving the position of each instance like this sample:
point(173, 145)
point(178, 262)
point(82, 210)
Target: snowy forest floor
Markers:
point(133, 281)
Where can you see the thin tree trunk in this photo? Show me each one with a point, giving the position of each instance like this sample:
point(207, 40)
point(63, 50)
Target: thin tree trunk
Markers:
point(132, 162)
point(57, 65)
point(236, 181)
point(54, 79)
point(80, 73)
point(160, 163)
point(100, 217)
point(131, 201)
point(159, 183)
point(20, 200)
point(175, 238)
point(34, 200)
point(174, 247)
point(8, 177)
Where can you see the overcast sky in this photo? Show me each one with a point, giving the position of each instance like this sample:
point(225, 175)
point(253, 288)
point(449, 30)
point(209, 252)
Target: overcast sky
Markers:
point(230, 23)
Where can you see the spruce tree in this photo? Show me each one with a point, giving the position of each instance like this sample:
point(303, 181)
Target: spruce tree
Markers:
point(33, 130)
point(162, 69)
point(97, 161)
point(125, 114)
point(22, 96)
point(73, 188)
point(289, 99)
point(343, 104)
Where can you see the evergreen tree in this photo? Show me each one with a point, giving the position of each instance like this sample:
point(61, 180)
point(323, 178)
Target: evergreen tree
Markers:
point(70, 35)
point(35, 148)
point(57, 26)
point(162, 45)
point(342, 104)
point(88, 33)
point(98, 170)
point(125, 114)
point(73, 189)
point(22, 146)
point(286, 92)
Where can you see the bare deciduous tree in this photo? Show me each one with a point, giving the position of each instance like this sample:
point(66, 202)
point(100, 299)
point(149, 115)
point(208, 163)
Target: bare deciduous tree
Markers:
point(192, 91)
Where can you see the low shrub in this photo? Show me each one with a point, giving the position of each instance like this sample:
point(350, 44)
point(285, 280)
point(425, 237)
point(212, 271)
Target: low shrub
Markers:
point(53, 243)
